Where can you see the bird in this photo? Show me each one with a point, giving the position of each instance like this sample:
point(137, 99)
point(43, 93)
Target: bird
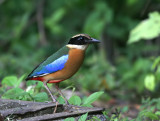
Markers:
point(62, 64)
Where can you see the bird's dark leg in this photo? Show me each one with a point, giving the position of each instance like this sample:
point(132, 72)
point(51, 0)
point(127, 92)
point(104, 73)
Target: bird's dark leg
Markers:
point(68, 106)
point(59, 91)
point(45, 85)
point(53, 98)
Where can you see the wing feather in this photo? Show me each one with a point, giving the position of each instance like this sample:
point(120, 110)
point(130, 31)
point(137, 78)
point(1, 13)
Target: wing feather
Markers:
point(52, 67)
point(52, 64)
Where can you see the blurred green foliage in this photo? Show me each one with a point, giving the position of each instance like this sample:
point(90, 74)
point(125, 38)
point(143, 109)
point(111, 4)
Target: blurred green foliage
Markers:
point(147, 29)
point(21, 37)
point(31, 30)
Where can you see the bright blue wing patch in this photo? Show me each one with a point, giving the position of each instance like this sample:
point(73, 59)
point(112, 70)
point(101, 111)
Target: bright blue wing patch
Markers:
point(56, 65)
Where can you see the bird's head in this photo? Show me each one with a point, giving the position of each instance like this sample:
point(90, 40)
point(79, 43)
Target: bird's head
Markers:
point(81, 41)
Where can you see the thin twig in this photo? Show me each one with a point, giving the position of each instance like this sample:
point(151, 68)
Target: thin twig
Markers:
point(40, 22)
point(145, 7)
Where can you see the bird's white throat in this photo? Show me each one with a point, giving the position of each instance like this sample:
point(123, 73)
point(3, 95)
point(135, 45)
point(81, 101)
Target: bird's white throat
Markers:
point(82, 47)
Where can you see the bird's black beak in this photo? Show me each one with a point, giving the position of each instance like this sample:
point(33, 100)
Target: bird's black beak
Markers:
point(92, 40)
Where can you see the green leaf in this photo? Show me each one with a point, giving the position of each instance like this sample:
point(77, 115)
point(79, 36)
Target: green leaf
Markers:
point(156, 63)
point(41, 97)
point(14, 93)
point(39, 84)
point(150, 82)
point(157, 113)
point(114, 118)
point(124, 109)
point(69, 119)
point(75, 100)
point(147, 29)
point(151, 115)
point(61, 100)
point(31, 82)
point(83, 117)
point(93, 97)
point(10, 81)
point(105, 113)
point(20, 80)
point(95, 118)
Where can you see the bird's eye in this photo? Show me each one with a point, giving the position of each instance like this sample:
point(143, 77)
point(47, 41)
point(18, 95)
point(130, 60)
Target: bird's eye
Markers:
point(80, 38)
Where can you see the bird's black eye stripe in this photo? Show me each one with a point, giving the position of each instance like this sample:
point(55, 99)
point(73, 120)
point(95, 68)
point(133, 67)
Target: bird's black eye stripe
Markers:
point(80, 40)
